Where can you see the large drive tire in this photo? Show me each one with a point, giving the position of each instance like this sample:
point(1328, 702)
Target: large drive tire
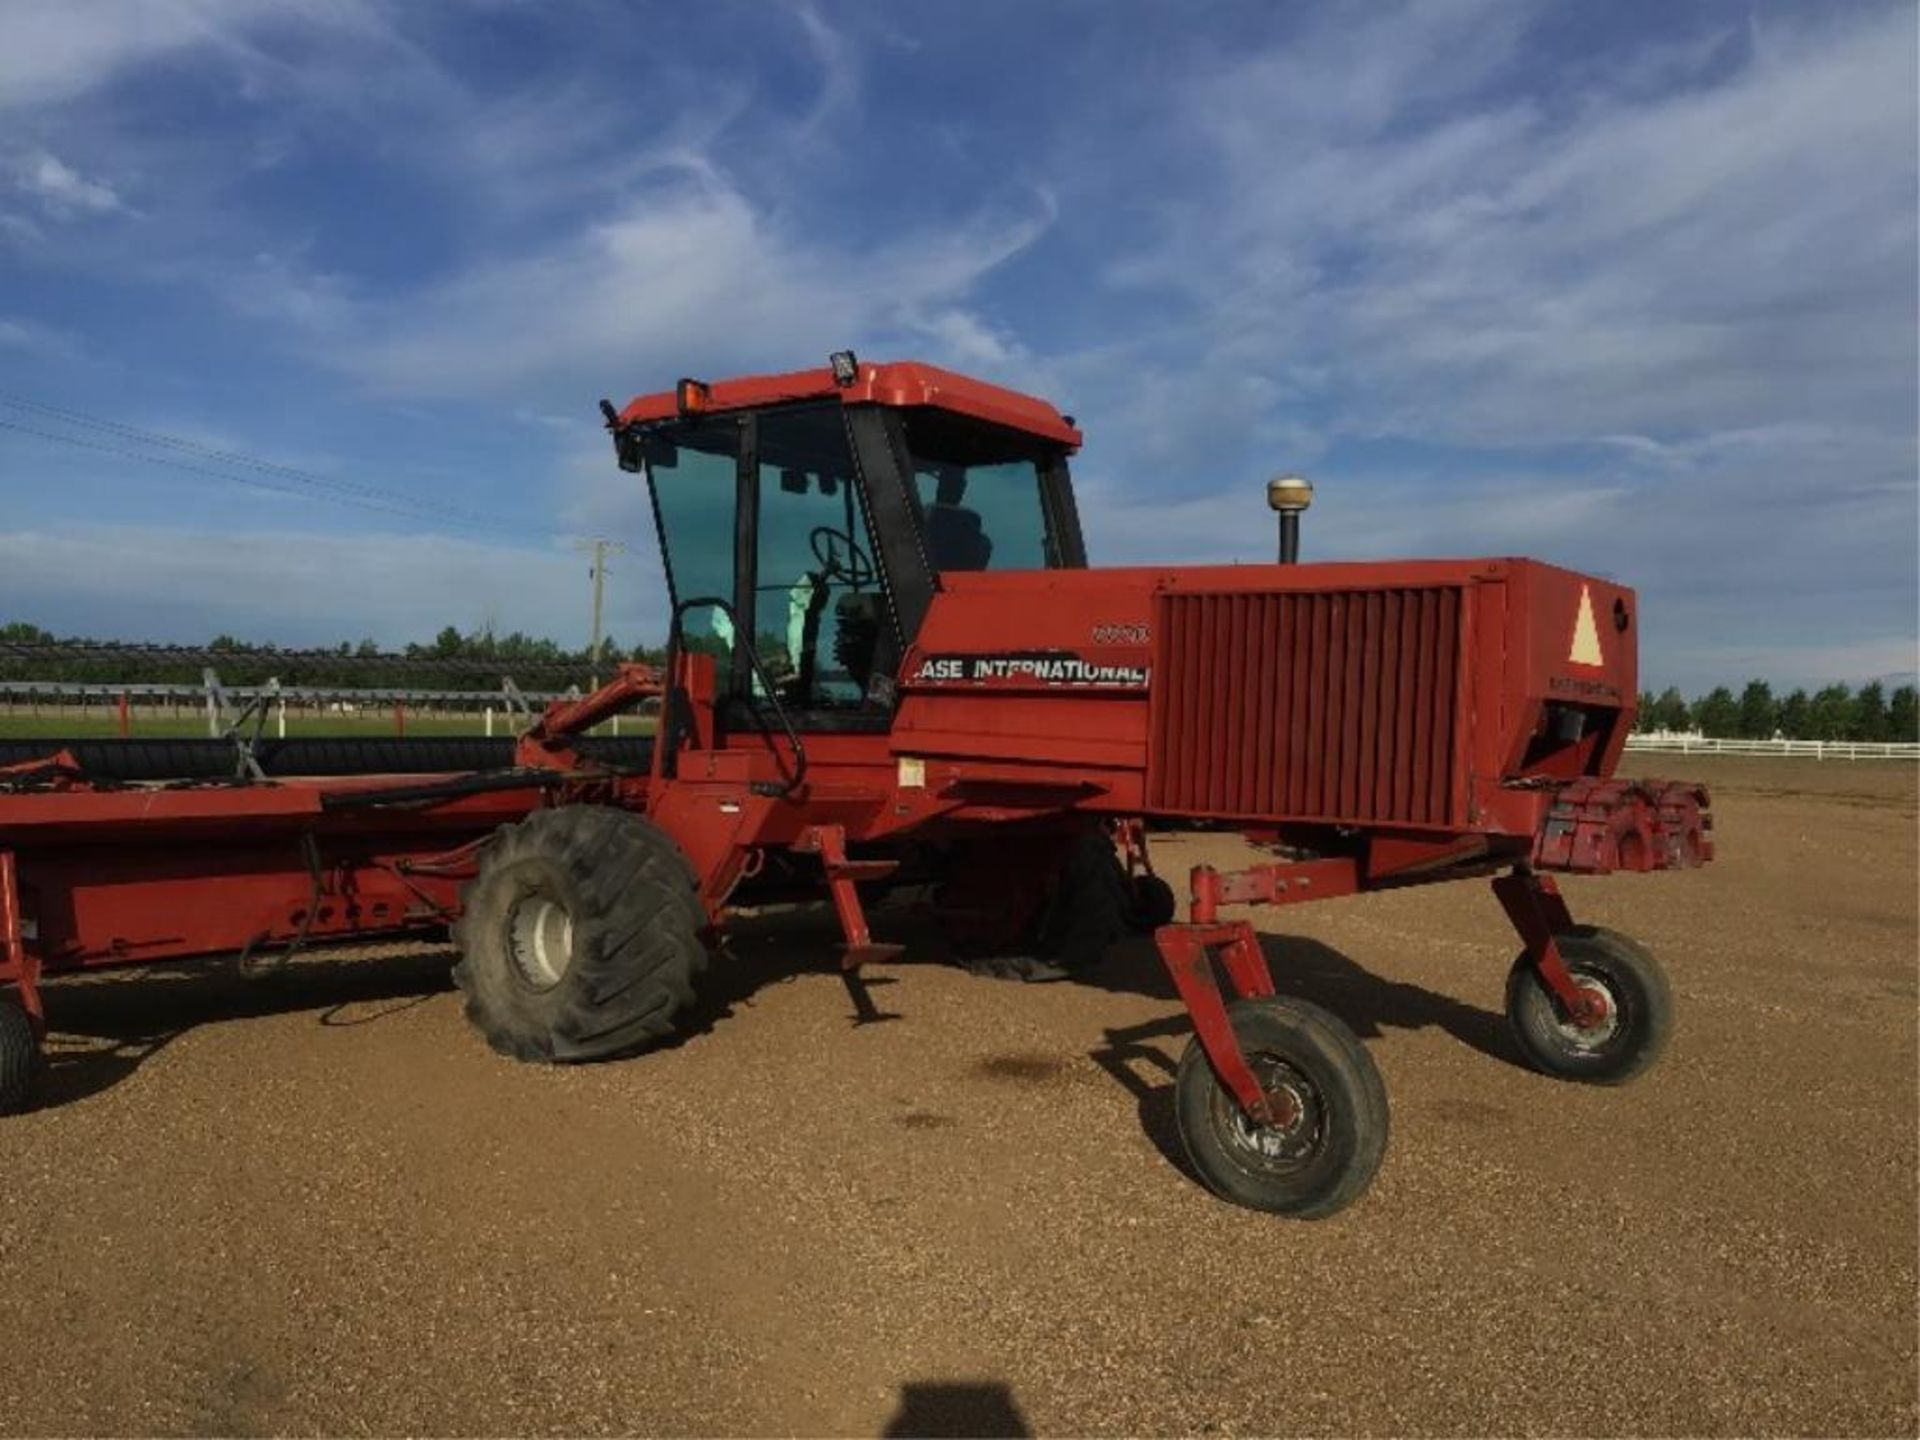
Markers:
point(1324, 1159)
point(1058, 902)
point(1639, 1016)
point(19, 1057)
point(581, 938)
point(1153, 904)
point(1091, 907)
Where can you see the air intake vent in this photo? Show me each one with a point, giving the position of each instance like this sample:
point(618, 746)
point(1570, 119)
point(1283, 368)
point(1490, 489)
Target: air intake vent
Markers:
point(1322, 705)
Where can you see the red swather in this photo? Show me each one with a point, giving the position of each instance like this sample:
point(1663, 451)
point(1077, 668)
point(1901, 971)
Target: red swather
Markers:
point(1370, 725)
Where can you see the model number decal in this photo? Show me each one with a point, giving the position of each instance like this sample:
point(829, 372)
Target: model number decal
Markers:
point(1047, 667)
point(1591, 689)
point(1122, 634)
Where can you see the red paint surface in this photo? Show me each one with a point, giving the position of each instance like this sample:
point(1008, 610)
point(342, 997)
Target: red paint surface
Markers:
point(900, 383)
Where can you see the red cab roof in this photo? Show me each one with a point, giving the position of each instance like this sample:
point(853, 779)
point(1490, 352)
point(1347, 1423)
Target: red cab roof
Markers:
point(899, 382)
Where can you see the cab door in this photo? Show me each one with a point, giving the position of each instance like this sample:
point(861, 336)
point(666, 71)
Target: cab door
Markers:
point(822, 627)
point(769, 558)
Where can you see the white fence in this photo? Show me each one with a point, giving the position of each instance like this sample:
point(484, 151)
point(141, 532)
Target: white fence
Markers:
point(1809, 749)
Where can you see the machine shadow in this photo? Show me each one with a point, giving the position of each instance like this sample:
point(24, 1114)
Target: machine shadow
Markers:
point(935, 1408)
point(764, 949)
point(104, 1026)
point(777, 947)
point(1313, 970)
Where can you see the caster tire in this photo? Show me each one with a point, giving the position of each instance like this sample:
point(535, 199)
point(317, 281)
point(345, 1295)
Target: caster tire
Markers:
point(1637, 1025)
point(1324, 1158)
point(1601, 935)
point(581, 938)
point(20, 1058)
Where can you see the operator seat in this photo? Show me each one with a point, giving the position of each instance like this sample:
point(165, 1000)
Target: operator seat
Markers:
point(955, 539)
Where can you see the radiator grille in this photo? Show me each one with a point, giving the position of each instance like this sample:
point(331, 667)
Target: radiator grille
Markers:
point(1337, 705)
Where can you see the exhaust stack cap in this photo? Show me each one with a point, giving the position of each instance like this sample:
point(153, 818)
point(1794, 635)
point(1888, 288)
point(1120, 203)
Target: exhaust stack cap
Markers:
point(1289, 494)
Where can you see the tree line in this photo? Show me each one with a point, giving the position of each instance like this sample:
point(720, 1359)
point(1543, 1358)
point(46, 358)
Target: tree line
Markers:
point(450, 661)
point(1833, 713)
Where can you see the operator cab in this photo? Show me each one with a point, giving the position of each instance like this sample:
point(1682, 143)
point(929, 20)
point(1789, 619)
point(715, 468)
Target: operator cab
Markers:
point(815, 513)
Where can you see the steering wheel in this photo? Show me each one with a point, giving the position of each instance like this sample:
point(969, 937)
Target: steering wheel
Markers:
point(840, 556)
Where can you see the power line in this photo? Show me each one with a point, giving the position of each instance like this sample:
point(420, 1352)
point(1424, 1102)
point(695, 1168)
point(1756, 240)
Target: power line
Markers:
point(74, 440)
point(192, 447)
point(267, 475)
point(231, 457)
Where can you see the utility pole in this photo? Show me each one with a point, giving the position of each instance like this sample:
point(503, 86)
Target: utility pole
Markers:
point(598, 548)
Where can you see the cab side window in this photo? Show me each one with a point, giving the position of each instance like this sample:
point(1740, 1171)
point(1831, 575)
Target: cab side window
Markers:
point(981, 506)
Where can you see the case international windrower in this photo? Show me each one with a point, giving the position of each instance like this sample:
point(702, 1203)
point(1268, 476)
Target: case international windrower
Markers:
point(890, 664)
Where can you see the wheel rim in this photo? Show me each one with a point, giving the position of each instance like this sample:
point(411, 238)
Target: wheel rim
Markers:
point(1297, 1136)
point(540, 941)
point(1601, 1032)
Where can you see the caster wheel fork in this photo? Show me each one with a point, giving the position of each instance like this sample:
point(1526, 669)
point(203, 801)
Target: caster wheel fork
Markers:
point(1278, 1104)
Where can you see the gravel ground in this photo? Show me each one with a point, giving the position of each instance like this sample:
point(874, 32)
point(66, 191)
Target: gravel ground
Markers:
point(317, 1204)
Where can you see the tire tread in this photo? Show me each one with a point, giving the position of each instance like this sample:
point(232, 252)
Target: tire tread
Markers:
point(20, 1057)
point(639, 938)
point(1307, 1035)
point(1629, 962)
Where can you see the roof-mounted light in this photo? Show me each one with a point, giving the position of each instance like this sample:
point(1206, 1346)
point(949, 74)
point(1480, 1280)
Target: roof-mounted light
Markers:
point(845, 366)
point(691, 397)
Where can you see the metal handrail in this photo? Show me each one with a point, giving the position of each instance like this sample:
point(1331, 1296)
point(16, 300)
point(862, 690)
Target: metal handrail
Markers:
point(675, 643)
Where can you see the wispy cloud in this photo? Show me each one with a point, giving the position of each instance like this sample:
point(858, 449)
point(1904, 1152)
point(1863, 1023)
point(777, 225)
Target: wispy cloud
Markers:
point(839, 68)
point(57, 51)
point(1635, 292)
point(1497, 266)
point(59, 189)
point(687, 274)
point(31, 338)
point(1652, 315)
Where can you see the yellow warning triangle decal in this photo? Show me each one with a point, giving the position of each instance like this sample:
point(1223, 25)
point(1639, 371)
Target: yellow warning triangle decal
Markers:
point(1586, 635)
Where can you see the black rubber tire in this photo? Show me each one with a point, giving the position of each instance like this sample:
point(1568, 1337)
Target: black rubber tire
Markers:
point(1153, 904)
point(1637, 988)
point(1347, 1111)
point(1602, 935)
point(19, 1057)
point(632, 931)
point(1091, 908)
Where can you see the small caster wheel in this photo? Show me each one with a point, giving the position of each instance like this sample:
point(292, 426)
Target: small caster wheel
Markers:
point(1152, 903)
point(1634, 1017)
point(1324, 1087)
point(19, 1057)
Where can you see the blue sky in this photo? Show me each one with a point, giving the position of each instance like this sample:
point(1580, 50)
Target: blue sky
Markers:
point(1631, 287)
